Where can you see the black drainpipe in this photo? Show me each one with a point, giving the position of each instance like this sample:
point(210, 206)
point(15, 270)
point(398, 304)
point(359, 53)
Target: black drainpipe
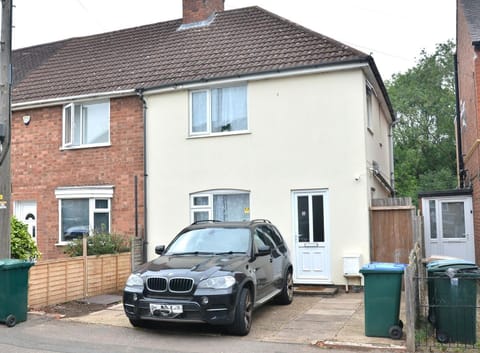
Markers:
point(145, 175)
point(461, 166)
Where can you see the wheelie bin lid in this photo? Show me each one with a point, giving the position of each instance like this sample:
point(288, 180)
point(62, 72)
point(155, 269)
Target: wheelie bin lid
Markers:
point(383, 267)
point(458, 264)
point(9, 264)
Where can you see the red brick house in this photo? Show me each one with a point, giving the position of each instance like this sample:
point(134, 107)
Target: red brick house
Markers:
point(468, 104)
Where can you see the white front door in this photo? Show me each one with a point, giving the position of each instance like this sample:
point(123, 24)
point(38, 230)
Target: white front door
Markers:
point(448, 224)
point(26, 212)
point(312, 258)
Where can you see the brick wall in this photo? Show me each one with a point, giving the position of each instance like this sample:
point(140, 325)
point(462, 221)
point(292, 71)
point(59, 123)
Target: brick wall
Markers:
point(200, 10)
point(469, 97)
point(39, 166)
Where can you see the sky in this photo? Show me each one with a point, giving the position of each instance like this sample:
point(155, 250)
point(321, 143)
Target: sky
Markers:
point(394, 32)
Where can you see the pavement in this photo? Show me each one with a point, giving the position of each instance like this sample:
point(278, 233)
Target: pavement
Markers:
point(327, 320)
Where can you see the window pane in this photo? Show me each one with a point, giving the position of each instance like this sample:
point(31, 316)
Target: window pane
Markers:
point(303, 219)
point(101, 204)
point(67, 129)
point(318, 221)
point(433, 219)
point(453, 220)
point(199, 111)
point(200, 216)
point(101, 222)
point(77, 124)
point(96, 123)
point(200, 201)
point(74, 221)
point(229, 109)
point(234, 207)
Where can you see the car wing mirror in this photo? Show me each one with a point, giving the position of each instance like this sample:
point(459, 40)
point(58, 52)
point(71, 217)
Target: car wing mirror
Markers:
point(159, 249)
point(264, 250)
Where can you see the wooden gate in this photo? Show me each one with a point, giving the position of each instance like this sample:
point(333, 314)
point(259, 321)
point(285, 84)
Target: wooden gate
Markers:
point(394, 229)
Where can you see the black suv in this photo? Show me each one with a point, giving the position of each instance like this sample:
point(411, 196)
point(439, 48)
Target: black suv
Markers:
point(213, 272)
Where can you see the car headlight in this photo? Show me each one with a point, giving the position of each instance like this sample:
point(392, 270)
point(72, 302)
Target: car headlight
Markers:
point(223, 282)
point(134, 280)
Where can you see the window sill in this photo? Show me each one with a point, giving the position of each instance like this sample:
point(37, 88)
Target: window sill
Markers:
point(62, 243)
point(219, 134)
point(67, 148)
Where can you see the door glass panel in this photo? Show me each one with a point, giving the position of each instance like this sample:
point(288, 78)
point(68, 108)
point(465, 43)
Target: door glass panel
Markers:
point(303, 219)
point(318, 222)
point(453, 220)
point(433, 219)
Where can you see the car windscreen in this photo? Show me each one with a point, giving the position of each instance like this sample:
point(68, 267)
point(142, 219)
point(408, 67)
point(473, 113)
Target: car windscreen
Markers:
point(211, 241)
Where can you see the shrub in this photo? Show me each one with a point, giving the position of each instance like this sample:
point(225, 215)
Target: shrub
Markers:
point(22, 246)
point(98, 244)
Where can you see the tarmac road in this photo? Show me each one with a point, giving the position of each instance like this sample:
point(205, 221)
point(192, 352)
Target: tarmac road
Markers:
point(43, 334)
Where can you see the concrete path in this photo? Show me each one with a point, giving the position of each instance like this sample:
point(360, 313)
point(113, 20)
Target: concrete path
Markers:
point(336, 322)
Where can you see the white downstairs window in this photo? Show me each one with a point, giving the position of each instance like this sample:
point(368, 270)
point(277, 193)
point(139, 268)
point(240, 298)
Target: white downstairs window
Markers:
point(221, 205)
point(83, 210)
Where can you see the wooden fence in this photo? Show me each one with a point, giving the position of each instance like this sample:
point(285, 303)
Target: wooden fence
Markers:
point(59, 281)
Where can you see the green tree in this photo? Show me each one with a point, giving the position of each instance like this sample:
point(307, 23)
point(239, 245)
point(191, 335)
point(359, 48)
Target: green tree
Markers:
point(22, 245)
point(424, 135)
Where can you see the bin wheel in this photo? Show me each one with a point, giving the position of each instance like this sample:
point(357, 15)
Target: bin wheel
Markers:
point(10, 321)
point(400, 323)
point(395, 332)
point(442, 337)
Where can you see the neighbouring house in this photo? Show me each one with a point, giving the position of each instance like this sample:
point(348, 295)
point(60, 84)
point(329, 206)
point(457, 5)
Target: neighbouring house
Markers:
point(228, 115)
point(468, 114)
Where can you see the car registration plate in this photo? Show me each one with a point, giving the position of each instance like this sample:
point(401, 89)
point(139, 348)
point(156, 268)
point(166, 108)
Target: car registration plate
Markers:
point(166, 309)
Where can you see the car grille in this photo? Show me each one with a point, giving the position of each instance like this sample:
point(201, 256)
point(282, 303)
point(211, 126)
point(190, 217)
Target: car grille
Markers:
point(174, 285)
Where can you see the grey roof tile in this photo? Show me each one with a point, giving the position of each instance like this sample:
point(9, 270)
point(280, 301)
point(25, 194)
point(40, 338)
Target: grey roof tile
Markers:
point(472, 15)
point(238, 42)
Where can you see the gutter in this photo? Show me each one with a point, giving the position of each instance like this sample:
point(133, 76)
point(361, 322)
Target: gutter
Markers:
point(145, 175)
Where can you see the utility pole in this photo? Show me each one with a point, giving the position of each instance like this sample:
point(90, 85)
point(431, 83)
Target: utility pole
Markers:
point(5, 126)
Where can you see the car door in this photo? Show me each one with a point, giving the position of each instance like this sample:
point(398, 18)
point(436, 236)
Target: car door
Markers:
point(262, 266)
point(278, 257)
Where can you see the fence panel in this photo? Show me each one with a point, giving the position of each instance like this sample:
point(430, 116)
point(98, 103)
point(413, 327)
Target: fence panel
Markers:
point(58, 281)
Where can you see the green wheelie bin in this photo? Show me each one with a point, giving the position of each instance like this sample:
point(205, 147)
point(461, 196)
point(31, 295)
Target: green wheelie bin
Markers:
point(383, 288)
point(452, 293)
point(14, 290)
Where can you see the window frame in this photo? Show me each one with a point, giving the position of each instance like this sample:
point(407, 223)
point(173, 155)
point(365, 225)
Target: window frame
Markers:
point(68, 136)
point(92, 194)
point(208, 131)
point(210, 207)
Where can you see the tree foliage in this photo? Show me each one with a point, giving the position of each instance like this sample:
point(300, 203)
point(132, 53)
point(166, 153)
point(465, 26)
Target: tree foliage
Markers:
point(22, 246)
point(424, 135)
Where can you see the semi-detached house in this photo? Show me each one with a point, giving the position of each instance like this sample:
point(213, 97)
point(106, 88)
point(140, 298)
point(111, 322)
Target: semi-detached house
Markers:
point(228, 115)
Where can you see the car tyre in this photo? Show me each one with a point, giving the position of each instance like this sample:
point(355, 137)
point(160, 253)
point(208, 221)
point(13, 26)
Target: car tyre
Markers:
point(243, 314)
point(140, 323)
point(286, 295)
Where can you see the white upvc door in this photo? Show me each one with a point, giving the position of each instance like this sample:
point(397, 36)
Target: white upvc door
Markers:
point(448, 225)
point(311, 234)
point(26, 212)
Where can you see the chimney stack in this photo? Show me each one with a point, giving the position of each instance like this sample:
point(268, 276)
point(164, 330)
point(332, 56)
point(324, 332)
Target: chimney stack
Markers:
point(200, 10)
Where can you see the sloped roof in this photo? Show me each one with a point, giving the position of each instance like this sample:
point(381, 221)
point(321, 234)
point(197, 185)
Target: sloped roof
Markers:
point(471, 10)
point(238, 42)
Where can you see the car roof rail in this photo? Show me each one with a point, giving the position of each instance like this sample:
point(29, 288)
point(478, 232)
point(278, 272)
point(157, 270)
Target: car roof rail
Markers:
point(206, 221)
point(260, 220)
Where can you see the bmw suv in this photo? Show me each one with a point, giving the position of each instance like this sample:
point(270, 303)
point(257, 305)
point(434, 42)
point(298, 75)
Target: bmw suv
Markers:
point(212, 272)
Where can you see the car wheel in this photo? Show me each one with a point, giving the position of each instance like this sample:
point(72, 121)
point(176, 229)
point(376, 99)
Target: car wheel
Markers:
point(243, 314)
point(140, 323)
point(286, 295)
